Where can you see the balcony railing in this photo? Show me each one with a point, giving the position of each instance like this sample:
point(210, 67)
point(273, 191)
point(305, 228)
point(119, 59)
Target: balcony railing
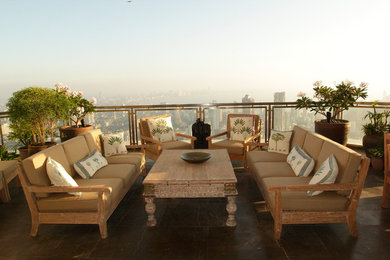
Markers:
point(274, 115)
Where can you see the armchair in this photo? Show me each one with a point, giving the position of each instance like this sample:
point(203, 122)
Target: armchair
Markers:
point(243, 132)
point(157, 134)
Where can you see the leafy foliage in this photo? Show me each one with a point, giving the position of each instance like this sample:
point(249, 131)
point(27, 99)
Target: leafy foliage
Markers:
point(378, 121)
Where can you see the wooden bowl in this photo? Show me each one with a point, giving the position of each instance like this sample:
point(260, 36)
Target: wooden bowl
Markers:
point(195, 157)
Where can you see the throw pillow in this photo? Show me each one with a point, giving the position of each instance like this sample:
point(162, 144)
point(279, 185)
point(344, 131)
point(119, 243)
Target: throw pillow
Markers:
point(59, 176)
point(161, 129)
point(88, 166)
point(326, 174)
point(113, 144)
point(242, 127)
point(279, 141)
point(301, 163)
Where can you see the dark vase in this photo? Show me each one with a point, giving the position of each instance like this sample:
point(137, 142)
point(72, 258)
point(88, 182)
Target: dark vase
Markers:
point(337, 131)
point(67, 132)
point(372, 141)
point(377, 163)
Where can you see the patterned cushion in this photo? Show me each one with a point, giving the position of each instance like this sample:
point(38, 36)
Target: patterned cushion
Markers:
point(279, 141)
point(59, 176)
point(88, 166)
point(241, 127)
point(326, 174)
point(301, 163)
point(161, 129)
point(113, 144)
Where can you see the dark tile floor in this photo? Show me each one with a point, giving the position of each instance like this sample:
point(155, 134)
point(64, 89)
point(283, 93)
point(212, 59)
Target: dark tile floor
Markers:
point(195, 229)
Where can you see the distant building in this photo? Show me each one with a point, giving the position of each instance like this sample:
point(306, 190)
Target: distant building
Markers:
point(279, 113)
point(248, 99)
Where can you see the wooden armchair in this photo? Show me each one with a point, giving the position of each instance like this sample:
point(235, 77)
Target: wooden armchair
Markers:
point(153, 147)
point(386, 182)
point(237, 148)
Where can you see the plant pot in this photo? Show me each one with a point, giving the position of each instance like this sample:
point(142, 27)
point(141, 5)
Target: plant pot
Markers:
point(337, 132)
point(37, 147)
point(23, 152)
point(372, 141)
point(67, 132)
point(377, 163)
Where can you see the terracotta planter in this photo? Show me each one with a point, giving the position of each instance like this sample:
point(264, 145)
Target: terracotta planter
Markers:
point(67, 132)
point(34, 148)
point(377, 163)
point(23, 152)
point(337, 132)
point(372, 141)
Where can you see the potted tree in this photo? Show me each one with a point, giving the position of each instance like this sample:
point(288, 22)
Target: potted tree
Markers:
point(35, 109)
point(373, 131)
point(331, 102)
point(22, 134)
point(77, 109)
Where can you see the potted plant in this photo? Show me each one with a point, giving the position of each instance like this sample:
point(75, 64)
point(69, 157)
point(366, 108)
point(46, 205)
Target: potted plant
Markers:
point(376, 155)
point(77, 109)
point(373, 131)
point(331, 102)
point(20, 132)
point(35, 109)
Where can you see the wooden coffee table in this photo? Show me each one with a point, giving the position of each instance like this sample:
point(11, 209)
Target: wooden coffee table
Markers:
point(171, 177)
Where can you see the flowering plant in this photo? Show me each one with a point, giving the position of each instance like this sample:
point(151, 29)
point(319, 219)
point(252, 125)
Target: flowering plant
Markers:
point(331, 102)
point(79, 107)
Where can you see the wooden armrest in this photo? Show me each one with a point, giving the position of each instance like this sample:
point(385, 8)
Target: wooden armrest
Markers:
point(57, 189)
point(185, 136)
point(217, 135)
point(324, 187)
point(151, 140)
point(249, 139)
point(257, 144)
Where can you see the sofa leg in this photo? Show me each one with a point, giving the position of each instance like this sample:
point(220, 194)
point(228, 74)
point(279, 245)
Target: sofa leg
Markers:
point(351, 221)
point(34, 227)
point(103, 229)
point(277, 230)
point(386, 195)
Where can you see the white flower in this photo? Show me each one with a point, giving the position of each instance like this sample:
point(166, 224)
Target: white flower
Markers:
point(348, 83)
point(363, 84)
point(93, 100)
point(58, 85)
point(317, 83)
point(301, 94)
point(77, 93)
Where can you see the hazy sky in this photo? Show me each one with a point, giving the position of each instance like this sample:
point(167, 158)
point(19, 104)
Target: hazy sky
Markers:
point(249, 46)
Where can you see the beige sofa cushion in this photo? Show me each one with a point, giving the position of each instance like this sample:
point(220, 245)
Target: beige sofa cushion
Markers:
point(35, 165)
point(125, 172)
point(272, 169)
point(169, 146)
point(299, 200)
point(299, 135)
point(86, 202)
point(8, 168)
point(312, 146)
point(136, 158)
point(233, 147)
point(264, 156)
point(92, 138)
point(75, 149)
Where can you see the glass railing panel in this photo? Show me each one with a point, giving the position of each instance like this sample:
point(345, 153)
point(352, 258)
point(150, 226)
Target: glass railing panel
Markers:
point(111, 122)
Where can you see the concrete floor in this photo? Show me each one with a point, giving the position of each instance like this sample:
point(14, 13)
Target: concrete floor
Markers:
point(195, 229)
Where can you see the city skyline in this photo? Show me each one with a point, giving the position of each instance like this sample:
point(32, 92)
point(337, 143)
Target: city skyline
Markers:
point(225, 49)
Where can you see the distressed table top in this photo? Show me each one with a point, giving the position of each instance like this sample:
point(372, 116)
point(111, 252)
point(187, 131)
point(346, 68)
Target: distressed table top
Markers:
point(171, 169)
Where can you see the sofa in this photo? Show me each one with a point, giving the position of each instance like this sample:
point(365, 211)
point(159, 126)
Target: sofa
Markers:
point(100, 194)
point(7, 174)
point(286, 196)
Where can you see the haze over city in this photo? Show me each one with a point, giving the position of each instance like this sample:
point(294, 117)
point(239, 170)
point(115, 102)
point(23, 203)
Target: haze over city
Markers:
point(196, 51)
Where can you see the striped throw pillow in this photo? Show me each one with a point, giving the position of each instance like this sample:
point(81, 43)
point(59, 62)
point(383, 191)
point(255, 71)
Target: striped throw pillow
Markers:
point(326, 174)
point(88, 166)
point(301, 163)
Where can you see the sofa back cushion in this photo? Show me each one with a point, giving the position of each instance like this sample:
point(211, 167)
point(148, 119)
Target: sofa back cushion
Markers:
point(348, 161)
point(299, 135)
point(312, 146)
point(35, 165)
point(75, 150)
point(93, 140)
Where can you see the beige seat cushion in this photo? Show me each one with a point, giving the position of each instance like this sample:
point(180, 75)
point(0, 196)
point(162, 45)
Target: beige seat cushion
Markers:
point(136, 158)
point(264, 156)
point(126, 172)
point(272, 169)
point(86, 202)
point(299, 200)
point(233, 147)
point(178, 144)
point(8, 168)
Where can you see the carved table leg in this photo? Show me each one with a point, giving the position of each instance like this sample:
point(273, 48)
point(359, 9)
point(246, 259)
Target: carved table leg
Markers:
point(150, 208)
point(231, 208)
